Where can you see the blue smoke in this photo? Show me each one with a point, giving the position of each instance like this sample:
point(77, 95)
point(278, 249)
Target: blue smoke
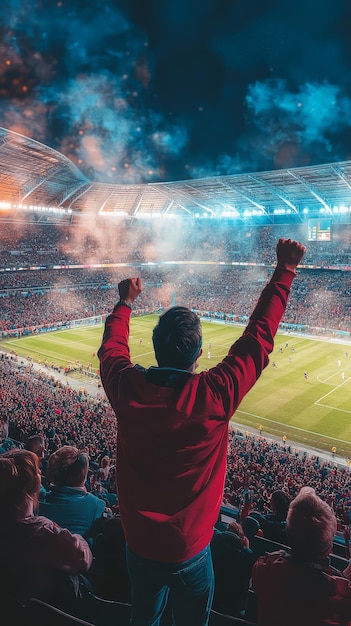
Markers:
point(309, 116)
point(135, 92)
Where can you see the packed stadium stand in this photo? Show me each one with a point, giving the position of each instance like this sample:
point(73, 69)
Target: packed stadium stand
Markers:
point(66, 241)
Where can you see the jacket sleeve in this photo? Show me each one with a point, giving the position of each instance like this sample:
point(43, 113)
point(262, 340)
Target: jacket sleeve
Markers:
point(114, 352)
point(248, 356)
point(62, 550)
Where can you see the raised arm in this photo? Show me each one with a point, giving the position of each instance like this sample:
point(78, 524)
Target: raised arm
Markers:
point(114, 351)
point(248, 356)
point(289, 254)
point(129, 289)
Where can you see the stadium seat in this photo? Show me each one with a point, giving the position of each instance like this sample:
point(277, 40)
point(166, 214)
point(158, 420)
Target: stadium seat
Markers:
point(339, 562)
point(251, 611)
point(35, 612)
point(261, 545)
point(220, 619)
point(101, 612)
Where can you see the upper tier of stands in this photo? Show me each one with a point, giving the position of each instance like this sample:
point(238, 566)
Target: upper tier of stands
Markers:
point(28, 245)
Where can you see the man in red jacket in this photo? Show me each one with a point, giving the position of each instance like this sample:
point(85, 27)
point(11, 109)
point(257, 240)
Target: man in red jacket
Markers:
point(172, 442)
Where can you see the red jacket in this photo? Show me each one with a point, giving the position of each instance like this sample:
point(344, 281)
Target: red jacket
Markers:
point(291, 592)
point(173, 430)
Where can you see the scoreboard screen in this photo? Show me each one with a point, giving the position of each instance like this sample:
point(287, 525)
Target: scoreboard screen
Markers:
point(319, 229)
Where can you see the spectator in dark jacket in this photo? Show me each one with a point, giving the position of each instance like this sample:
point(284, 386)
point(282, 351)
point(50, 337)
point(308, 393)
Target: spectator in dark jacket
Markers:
point(35, 550)
point(273, 525)
point(301, 587)
point(232, 564)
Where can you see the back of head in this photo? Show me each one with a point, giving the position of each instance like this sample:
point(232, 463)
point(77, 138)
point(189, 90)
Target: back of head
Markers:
point(177, 338)
point(280, 504)
point(36, 444)
point(68, 467)
point(19, 480)
point(250, 526)
point(4, 429)
point(311, 526)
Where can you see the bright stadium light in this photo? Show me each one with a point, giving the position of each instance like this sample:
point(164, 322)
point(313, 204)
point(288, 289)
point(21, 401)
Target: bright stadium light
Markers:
point(34, 207)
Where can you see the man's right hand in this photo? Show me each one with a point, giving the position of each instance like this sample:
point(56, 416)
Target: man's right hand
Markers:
point(129, 289)
point(289, 253)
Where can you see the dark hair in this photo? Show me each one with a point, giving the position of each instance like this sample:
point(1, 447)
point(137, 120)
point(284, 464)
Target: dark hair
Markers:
point(177, 338)
point(280, 504)
point(250, 526)
point(35, 443)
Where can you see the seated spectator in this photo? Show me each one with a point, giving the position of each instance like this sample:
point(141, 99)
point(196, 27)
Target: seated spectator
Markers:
point(35, 552)
point(302, 588)
point(251, 528)
point(109, 574)
point(36, 444)
point(96, 487)
point(68, 502)
point(273, 525)
point(5, 442)
point(232, 564)
point(104, 469)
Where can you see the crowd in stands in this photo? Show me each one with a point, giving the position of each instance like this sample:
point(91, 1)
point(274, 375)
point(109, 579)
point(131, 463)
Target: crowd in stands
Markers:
point(205, 240)
point(34, 403)
point(30, 297)
point(71, 435)
point(320, 299)
point(259, 467)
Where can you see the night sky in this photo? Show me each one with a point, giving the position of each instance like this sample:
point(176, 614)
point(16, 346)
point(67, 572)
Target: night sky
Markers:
point(148, 90)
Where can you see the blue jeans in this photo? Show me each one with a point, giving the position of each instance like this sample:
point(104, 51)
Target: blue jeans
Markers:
point(190, 586)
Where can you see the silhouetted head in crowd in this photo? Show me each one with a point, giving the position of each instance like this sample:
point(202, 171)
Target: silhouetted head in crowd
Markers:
point(279, 504)
point(19, 484)
point(68, 467)
point(177, 339)
point(36, 444)
point(311, 526)
point(250, 527)
point(4, 430)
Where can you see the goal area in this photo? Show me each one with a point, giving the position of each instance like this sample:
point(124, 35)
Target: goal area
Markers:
point(96, 320)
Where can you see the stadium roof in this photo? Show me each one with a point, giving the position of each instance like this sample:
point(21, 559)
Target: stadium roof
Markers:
point(34, 177)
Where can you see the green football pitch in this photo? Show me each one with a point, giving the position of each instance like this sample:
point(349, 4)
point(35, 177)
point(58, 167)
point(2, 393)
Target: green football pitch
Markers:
point(314, 411)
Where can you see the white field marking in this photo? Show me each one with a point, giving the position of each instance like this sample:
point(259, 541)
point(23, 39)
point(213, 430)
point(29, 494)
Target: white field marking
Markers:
point(335, 373)
point(327, 406)
point(145, 354)
point(335, 388)
point(284, 424)
point(329, 378)
point(333, 408)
